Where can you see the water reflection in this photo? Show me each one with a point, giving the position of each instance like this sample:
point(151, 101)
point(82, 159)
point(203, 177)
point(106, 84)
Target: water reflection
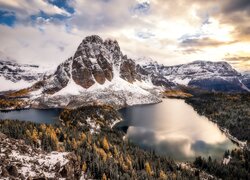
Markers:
point(48, 116)
point(174, 129)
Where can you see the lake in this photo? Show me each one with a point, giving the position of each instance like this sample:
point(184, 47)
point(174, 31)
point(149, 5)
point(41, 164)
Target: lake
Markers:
point(173, 128)
point(48, 116)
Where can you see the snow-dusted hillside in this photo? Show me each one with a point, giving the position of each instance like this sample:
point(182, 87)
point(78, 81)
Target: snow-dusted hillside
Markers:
point(14, 76)
point(21, 161)
point(215, 76)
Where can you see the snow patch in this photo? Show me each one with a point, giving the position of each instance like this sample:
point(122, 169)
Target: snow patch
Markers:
point(71, 89)
point(33, 163)
point(7, 85)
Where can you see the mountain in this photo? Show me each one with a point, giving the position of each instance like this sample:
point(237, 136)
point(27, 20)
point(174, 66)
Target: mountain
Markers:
point(212, 76)
point(15, 76)
point(97, 73)
point(246, 80)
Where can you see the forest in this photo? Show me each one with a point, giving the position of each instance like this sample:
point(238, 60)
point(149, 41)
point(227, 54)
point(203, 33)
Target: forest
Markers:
point(103, 154)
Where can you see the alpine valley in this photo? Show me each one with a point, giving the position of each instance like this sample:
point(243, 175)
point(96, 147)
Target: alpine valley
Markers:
point(91, 89)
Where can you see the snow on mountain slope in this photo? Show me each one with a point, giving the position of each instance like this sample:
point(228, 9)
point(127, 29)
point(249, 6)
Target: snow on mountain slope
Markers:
point(14, 76)
point(98, 73)
point(7, 85)
point(246, 81)
point(213, 76)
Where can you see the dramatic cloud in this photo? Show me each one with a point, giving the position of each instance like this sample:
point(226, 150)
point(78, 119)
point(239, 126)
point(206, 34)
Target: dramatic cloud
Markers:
point(240, 62)
point(170, 32)
point(204, 42)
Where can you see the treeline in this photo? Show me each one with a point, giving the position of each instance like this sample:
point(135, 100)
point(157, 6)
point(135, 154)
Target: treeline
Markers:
point(231, 111)
point(6, 103)
point(101, 154)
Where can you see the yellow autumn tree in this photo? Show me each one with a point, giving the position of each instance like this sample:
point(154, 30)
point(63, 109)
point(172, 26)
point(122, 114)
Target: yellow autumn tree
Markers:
point(104, 176)
point(43, 127)
point(163, 175)
point(83, 137)
point(174, 176)
point(28, 133)
point(74, 144)
point(105, 144)
point(84, 167)
point(129, 162)
point(115, 152)
point(34, 135)
point(50, 132)
point(148, 169)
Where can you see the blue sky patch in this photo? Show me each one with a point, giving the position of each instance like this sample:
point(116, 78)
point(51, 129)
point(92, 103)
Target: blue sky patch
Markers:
point(7, 18)
point(47, 16)
point(62, 4)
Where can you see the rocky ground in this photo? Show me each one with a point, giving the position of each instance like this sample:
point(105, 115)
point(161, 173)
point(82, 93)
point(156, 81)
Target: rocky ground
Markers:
point(20, 161)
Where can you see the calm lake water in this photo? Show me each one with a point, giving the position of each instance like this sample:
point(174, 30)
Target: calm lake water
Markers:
point(173, 128)
point(48, 116)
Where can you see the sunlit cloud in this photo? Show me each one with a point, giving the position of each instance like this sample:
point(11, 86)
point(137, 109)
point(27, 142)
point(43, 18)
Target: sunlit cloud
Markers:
point(170, 32)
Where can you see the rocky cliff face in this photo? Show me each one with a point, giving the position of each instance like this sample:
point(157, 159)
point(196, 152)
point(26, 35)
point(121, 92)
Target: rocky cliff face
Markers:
point(95, 61)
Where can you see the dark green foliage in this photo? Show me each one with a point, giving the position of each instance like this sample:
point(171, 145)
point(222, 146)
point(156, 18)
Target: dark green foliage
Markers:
point(237, 168)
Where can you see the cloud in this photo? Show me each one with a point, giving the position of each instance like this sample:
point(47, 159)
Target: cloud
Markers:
point(189, 50)
point(240, 62)
point(31, 45)
point(232, 6)
point(170, 32)
point(203, 42)
point(25, 8)
point(236, 14)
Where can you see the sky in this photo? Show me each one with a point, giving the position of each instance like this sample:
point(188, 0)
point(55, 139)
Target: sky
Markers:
point(46, 32)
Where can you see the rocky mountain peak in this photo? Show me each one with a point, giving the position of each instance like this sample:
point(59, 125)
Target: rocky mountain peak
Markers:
point(95, 61)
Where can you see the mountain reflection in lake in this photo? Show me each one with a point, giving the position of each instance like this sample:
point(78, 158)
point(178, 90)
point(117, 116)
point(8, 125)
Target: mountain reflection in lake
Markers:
point(174, 129)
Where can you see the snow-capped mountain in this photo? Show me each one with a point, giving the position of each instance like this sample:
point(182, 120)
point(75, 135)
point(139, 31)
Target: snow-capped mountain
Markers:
point(214, 76)
point(15, 76)
point(97, 73)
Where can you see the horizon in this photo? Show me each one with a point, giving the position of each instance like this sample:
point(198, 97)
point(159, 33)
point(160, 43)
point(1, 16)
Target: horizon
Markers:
point(171, 33)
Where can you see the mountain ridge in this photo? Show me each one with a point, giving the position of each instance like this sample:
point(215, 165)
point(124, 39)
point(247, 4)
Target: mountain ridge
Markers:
point(99, 73)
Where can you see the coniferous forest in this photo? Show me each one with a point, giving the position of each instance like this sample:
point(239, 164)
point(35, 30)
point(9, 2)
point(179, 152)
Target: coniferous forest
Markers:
point(102, 152)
